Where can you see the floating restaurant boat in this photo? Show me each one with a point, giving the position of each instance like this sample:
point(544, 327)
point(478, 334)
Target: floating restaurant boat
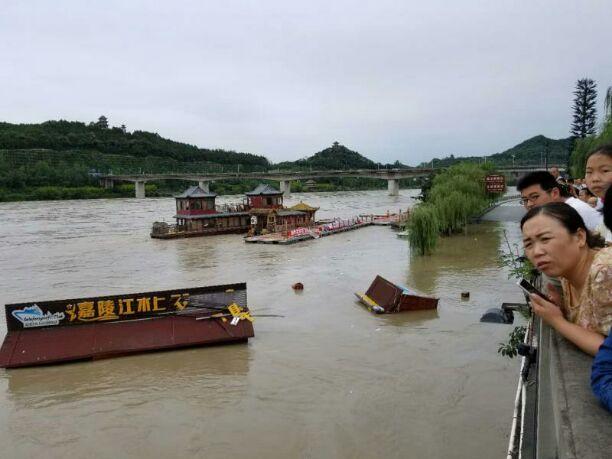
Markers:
point(262, 210)
point(47, 332)
point(384, 297)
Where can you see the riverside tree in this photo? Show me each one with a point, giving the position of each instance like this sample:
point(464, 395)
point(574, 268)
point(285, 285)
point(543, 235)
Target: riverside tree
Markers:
point(585, 110)
point(456, 194)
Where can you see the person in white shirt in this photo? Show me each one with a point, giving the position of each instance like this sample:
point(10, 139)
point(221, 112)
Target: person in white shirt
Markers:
point(540, 187)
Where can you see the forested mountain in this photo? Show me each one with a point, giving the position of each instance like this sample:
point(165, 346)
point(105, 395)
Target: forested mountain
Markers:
point(335, 157)
point(531, 151)
point(73, 135)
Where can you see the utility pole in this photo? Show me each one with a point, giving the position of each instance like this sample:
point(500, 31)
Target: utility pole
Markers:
point(546, 155)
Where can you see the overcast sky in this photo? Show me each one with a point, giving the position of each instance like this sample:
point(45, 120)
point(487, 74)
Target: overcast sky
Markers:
point(394, 80)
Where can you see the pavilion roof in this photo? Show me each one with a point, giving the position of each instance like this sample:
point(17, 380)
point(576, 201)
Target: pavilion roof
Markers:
point(196, 192)
point(303, 207)
point(263, 189)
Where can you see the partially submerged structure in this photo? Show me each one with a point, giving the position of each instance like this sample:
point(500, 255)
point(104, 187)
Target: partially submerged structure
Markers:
point(47, 332)
point(384, 297)
point(197, 214)
point(262, 210)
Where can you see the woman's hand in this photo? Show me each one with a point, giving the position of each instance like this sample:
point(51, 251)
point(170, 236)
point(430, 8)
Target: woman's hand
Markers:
point(547, 310)
point(587, 340)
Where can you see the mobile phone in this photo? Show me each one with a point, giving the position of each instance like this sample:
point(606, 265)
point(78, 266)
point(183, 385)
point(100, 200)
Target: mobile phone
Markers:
point(529, 288)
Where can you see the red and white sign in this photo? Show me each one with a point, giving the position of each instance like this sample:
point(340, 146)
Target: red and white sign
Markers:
point(495, 183)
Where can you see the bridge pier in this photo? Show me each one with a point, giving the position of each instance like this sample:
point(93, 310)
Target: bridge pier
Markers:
point(285, 188)
point(205, 185)
point(139, 186)
point(393, 187)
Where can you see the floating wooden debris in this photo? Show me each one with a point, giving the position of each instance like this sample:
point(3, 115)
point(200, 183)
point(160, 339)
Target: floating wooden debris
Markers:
point(384, 297)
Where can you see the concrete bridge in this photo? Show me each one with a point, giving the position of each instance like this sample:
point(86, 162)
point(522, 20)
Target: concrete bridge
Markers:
point(392, 176)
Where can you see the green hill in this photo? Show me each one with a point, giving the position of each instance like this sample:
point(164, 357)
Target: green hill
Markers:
point(98, 137)
point(55, 160)
point(529, 152)
point(335, 157)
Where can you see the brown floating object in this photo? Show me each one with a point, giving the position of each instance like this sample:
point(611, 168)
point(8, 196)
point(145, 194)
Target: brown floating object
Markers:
point(298, 286)
point(465, 295)
point(384, 297)
point(46, 332)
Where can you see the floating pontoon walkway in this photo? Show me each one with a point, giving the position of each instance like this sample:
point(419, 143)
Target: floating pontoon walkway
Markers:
point(306, 234)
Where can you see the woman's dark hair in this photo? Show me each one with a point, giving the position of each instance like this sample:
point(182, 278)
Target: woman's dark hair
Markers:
point(568, 217)
point(601, 150)
point(607, 208)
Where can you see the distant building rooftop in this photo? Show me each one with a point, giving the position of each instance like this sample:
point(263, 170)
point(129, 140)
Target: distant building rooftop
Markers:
point(263, 189)
point(196, 192)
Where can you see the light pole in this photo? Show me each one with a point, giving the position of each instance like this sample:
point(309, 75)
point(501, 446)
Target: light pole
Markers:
point(512, 160)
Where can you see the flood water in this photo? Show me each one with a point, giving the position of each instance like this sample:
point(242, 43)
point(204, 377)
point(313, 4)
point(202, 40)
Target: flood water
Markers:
point(326, 380)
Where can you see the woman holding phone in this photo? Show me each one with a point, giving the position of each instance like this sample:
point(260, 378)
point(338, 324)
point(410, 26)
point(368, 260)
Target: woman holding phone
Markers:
point(557, 242)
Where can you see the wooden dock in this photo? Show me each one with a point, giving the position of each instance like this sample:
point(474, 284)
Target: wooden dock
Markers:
point(308, 233)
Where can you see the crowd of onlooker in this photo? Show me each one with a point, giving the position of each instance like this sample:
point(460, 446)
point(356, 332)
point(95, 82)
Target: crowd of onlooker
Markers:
point(567, 236)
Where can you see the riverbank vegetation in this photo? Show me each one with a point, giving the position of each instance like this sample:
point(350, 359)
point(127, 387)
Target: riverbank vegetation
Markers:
point(62, 136)
point(533, 151)
point(585, 134)
point(585, 145)
point(455, 195)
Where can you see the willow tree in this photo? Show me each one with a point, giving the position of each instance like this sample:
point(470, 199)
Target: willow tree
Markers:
point(423, 229)
point(456, 194)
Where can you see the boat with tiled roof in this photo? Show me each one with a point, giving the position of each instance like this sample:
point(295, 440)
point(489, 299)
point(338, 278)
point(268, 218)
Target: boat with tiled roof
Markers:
point(261, 211)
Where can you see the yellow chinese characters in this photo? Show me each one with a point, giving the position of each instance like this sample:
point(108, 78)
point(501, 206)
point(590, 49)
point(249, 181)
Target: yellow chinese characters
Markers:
point(181, 300)
point(106, 310)
point(114, 309)
point(237, 311)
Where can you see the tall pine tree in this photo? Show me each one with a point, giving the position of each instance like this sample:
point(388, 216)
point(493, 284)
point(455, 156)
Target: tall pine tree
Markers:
point(585, 110)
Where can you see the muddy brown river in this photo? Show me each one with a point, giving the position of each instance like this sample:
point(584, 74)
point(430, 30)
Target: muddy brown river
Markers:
point(326, 380)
